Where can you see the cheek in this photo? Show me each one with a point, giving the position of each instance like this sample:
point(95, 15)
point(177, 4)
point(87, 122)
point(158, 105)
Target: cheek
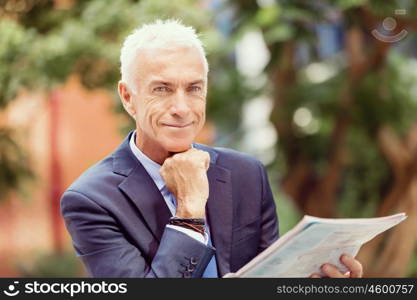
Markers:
point(200, 112)
point(150, 114)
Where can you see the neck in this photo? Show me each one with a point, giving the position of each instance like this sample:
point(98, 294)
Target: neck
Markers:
point(155, 153)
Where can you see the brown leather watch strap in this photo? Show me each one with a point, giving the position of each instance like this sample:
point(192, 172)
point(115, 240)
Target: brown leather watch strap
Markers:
point(193, 224)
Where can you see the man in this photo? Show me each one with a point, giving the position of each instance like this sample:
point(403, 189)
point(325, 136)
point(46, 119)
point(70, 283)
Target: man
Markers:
point(161, 206)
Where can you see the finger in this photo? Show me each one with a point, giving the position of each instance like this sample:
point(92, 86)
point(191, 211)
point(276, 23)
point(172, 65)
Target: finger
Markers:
point(203, 157)
point(167, 161)
point(354, 266)
point(347, 274)
point(190, 151)
point(162, 170)
point(229, 275)
point(207, 160)
point(331, 271)
point(189, 154)
point(315, 276)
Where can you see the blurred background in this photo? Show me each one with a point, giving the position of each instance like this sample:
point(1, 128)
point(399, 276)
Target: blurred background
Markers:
point(323, 92)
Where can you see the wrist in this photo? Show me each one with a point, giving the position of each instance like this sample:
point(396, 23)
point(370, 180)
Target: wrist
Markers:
point(189, 213)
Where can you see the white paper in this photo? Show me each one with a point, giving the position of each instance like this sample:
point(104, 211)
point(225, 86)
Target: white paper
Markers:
point(313, 242)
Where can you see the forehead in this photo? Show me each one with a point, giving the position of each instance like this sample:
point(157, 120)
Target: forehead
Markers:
point(174, 64)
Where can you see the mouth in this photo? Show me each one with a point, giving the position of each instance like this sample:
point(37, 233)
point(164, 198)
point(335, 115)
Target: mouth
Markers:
point(177, 125)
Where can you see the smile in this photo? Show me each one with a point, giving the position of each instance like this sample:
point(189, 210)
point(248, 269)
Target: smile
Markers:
point(178, 125)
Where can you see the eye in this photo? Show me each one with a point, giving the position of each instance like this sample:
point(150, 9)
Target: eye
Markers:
point(161, 89)
point(195, 88)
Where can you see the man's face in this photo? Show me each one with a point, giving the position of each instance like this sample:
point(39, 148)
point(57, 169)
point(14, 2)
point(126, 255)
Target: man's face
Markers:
point(169, 99)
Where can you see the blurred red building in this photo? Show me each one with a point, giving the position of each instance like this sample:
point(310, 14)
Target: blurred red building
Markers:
point(86, 129)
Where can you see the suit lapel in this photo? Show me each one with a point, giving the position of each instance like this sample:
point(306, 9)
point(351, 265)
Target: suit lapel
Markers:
point(219, 214)
point(141, 189)
point(219, 210)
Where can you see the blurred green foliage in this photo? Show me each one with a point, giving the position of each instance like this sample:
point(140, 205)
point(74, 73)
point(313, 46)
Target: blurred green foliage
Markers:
point(13, 164)
point(52, 265)
point(384, 96)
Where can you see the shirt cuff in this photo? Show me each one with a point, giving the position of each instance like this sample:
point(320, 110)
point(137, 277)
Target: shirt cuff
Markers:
point(191, 233)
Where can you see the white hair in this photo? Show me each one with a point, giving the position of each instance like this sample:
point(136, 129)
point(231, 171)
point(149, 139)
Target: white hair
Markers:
point(162, 35)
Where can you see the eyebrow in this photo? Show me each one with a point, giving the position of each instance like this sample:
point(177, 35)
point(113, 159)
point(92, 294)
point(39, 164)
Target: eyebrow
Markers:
point(166, 83)
point(200, 81)
point(156, 82)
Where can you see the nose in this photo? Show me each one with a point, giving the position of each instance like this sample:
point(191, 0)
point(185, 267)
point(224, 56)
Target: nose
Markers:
point(180, 105)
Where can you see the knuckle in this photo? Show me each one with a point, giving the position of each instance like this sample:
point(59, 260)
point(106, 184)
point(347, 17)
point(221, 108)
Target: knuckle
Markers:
point(180, 158)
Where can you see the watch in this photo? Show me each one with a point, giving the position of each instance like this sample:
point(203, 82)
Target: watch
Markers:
point(192, 223)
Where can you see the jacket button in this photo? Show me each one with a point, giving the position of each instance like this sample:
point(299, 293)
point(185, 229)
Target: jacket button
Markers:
point(190, 268)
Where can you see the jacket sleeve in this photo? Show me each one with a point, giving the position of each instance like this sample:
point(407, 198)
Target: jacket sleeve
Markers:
point(269, 218)
point(106, 252)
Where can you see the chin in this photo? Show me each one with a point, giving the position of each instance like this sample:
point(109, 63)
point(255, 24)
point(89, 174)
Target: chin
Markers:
point(178, 145)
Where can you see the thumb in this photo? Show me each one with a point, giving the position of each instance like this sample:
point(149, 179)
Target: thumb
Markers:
point(207, 161)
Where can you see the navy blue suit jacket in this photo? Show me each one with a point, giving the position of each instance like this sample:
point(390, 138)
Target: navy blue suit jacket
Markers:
point(116, 217)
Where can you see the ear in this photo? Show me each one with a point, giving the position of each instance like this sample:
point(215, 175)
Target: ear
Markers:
point(127, 99)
